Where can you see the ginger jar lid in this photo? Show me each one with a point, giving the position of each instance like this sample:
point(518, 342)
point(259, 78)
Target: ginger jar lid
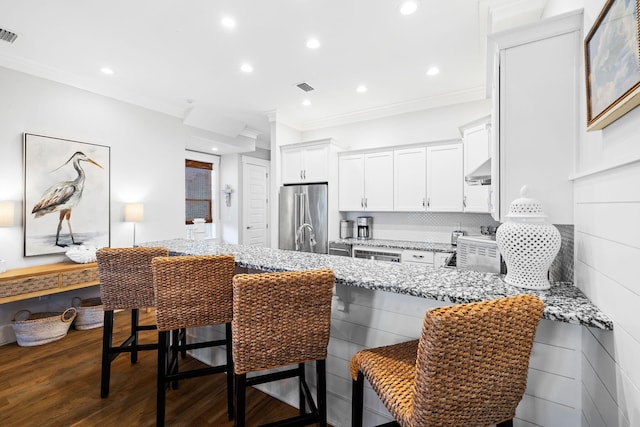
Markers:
point(525, 208)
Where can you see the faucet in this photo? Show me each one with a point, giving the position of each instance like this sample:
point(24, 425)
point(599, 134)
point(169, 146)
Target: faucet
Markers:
point(312, 235)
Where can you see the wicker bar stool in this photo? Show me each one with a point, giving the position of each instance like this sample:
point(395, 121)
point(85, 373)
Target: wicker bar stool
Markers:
point(191, 291)
point(126, 282)
point(280, 320)
point(469, 367)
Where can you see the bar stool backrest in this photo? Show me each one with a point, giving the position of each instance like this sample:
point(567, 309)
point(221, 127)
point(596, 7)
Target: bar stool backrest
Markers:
point(193, 291)
point(280, 319)
point(472, 361)
point(126, 280)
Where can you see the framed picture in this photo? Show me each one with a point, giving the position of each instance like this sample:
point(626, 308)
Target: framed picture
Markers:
point(66, 195)
point(612, 62)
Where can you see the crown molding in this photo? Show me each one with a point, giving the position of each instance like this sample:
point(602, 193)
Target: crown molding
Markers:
point(457, 97)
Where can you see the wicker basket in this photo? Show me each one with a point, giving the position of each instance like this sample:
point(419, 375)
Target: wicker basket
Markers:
point(41, 328)
point(90, 313)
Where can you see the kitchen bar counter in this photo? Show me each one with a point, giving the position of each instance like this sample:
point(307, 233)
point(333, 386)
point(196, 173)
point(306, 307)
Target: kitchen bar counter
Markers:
point(563, 302)
point(399, 244)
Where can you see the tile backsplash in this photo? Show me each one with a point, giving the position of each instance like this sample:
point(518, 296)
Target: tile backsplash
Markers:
point(561, 269)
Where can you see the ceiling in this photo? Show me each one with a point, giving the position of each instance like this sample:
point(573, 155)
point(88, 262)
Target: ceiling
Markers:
point(176, 57)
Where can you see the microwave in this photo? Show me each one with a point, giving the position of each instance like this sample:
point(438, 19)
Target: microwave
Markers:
point(478, 253)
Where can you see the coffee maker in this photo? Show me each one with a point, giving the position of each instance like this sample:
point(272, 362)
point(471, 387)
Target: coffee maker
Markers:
point(365, 227)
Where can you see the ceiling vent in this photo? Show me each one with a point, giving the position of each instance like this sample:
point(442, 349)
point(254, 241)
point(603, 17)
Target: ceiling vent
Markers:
point(305, 87)
point(7, 36)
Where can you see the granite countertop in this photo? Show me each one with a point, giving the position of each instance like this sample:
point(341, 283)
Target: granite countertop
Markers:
point(399, 244)
point(563, 302)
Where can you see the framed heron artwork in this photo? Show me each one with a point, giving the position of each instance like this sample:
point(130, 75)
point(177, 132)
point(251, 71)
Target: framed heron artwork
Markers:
point(66, 195)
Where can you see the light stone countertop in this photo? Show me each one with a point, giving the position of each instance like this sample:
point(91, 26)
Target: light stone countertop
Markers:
point(399, 244)
point(563, 302)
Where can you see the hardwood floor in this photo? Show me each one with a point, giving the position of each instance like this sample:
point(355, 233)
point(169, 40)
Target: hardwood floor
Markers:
point(58, 384)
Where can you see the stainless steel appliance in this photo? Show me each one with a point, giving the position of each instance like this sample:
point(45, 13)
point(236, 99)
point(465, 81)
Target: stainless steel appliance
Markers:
point(365, 227)
point(339, 248)
point(346, 229)
point(378, 255)
point(478, 253)
point(303, 218)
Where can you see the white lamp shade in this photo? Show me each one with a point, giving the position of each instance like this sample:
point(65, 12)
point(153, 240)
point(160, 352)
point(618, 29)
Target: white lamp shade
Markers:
point(134, 212)
point(6, 214)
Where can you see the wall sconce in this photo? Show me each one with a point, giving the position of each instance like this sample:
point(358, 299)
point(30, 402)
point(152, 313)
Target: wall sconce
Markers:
point(134, 212)
point(227, 194)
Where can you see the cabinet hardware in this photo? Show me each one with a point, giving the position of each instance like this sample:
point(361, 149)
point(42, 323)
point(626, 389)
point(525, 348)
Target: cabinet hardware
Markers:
point(464, 202)
point(418, 256)
point(423, 202)
point(365, 202)
point(304, 173)
point(301, 174)
point(362, 202)
point(428, 201)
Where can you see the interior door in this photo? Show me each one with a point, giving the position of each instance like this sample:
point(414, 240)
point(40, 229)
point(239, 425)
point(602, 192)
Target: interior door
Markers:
point(255, 204)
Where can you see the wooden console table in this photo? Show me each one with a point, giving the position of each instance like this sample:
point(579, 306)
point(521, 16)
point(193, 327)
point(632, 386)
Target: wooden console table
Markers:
point(31, 282)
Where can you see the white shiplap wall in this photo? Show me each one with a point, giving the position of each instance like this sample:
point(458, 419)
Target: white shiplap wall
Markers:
point(607, 209)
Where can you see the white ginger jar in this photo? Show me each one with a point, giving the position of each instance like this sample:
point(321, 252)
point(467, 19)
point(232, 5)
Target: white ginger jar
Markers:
point(527, 243)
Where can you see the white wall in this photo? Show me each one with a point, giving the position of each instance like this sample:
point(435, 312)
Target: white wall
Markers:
point(231, 216)
point(142, 143)
point(435, 124)
point(606, 210)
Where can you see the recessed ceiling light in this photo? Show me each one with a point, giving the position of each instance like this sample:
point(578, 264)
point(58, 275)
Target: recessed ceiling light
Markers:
point(214, 148)
point(361, 89)
point(246, 68)
point(432, 71)
point(106, 70)
point(228, 22)
point(306, 102)
point(408, 7)
point(313, 43)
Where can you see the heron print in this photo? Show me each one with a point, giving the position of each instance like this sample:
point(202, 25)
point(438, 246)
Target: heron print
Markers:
point(65, 206)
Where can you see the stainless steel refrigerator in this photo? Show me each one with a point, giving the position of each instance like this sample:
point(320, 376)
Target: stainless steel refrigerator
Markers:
point(304, 218)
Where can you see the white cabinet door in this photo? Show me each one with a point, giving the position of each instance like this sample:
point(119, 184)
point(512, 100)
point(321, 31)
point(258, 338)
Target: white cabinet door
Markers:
point(476, 149)
point(291, 165)
point(305, 164)
point(378, 181)
point(410, 179)
point(537, 83)
point(439, 258)
point(444, 178)
point(351, 182)
point(315, 163)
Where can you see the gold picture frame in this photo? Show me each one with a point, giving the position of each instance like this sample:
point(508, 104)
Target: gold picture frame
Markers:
point(612, 63)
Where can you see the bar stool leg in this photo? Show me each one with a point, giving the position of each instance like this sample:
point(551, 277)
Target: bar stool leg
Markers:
point(301, 395)
point(321, 393)
point(107, 335)
point(356, 401)
point(230, 406)
point(163, 366)
point(240, 399)
point(135, 318)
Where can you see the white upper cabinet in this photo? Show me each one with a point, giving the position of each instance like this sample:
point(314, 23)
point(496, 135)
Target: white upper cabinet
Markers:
point(444, 178)
point(305, 163)
point(378, 181)
point(536, 87)
point(366, 182)
point(476, 148)
point(351, 182)
point(410, 179)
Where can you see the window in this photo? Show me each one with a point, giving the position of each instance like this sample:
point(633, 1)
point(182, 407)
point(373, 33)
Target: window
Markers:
point(198, 194)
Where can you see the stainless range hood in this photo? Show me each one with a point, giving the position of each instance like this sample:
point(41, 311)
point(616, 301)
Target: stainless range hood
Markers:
point(481, 175)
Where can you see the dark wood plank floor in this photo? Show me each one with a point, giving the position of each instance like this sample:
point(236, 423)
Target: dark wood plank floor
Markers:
point(58, 384)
